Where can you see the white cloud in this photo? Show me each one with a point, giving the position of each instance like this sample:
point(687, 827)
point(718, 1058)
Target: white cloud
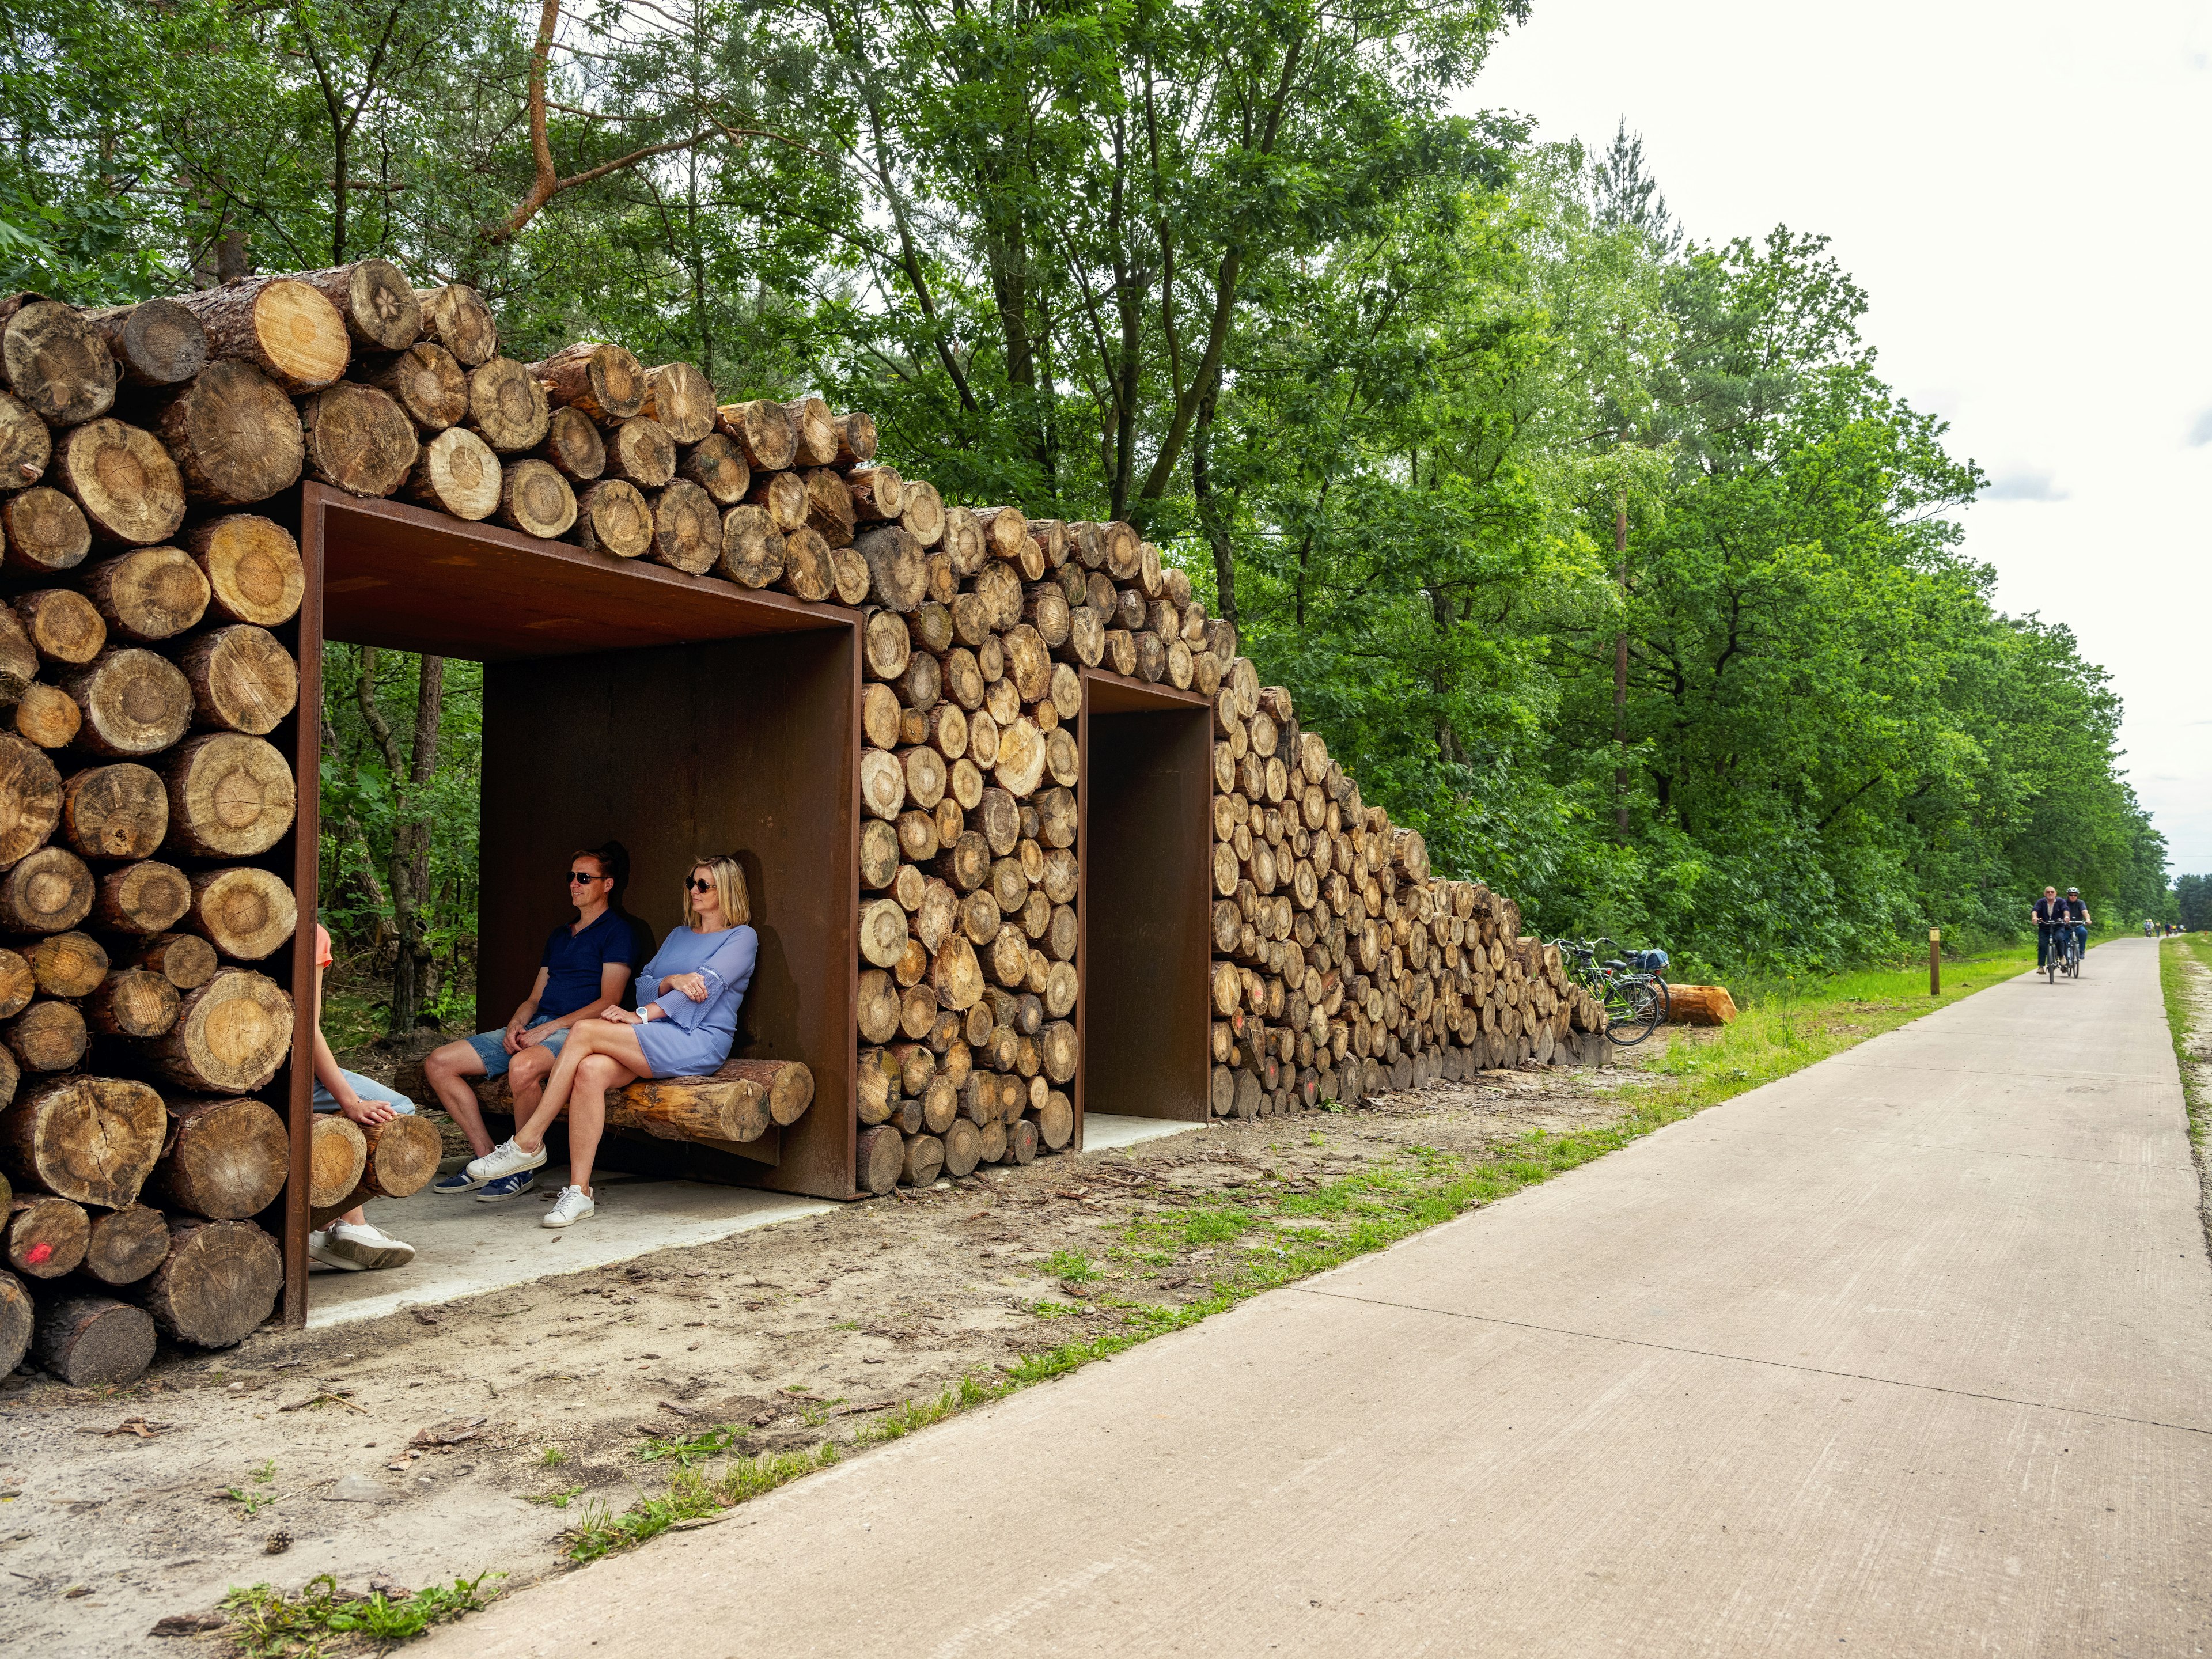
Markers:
point(2030, 484)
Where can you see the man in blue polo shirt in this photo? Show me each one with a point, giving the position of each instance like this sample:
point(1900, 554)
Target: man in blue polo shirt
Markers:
point(587, 964)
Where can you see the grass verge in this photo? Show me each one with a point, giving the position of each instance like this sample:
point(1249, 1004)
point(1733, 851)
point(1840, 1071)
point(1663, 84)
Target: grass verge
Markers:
point(268, 1624)
point(2176, 980)
point(1256, 1240)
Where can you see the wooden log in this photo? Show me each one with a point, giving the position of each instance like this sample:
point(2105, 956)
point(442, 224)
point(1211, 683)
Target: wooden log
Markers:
point(122, 479)
point(788, 1085)
point(717, 465)
point(279, 325)
point(879, 1008)
point(133, 702)
point(856, 438)
point(30, 798)
point(233, 435)
point(186, 960)
point(218, 1283)
point(535, 500)
point(828, 506)
point(246, 913)
point(809, 571)
point(47, 891)
point(752, 548)
point(54, 361)
point(1055, 1120)
point(816, 430)
point(230, 796)
point(897, 578)
point(132, 1002)
point(69, 965)
point(921, 511)
point(718, 1108)
point(18, 985)
point(242, 679)
point(921, 1158)
point(457, 473)
point(613, 518)
point(763, 430)
point(876, 493)
point(92, 1341)
point(93, 1140)
point(882, 932)
point(46, 1036)
point(573, 447)
point(230, 1036)
point(125, 1244)
point(226, 1157)
point(145, 898)
point(337, 1153)
point(375, 299)
point(148, 593)
point(155, 342)
point(456, 318)
point(506, 407)
point(45, 531)
point(16, 1318)
point(402, 1154)
point(428, 384)
point(687, 529)
point(62, 626)
point(47, 1236)
point(678, 396)
point(25, 444)
point(357, 440)
point(879, 1154)
point(642, 451)
point(252, 566)
point(599, 380)
point(1700, 1005)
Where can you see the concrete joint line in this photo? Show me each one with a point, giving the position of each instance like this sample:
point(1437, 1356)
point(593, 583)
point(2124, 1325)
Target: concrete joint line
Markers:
point(1733, 1128)
point(1752, 1359)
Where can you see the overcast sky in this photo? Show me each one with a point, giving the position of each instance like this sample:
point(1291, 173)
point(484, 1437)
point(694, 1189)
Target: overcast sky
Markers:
point(2021, 189)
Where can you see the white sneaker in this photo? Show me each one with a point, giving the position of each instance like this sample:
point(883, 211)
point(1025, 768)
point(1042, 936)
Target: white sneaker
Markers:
point(359, 1245)
point(320, 1252)
point(505, 1159)
point(573, 1204)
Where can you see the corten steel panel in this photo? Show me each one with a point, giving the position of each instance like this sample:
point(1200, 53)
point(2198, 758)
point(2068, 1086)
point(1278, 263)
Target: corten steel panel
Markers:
point(747, 746)
point(416, 581)
point(1144, 846)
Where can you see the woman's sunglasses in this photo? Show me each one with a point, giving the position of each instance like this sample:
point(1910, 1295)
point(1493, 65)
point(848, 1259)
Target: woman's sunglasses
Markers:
point(699, 886)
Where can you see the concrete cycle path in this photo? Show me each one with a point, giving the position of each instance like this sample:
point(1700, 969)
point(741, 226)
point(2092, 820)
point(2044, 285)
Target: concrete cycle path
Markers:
point(1908, 1354)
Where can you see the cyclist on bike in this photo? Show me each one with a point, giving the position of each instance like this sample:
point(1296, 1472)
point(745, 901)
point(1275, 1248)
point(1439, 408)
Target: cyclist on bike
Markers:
point(2049, 911)
point(2077, 913)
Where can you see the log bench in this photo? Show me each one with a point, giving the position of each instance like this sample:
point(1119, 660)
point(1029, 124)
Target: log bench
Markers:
point(735, 1106)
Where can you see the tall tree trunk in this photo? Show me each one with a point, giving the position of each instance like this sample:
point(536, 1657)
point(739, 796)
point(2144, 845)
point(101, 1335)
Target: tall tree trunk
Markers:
point(1210, 516)
point(1620, 672)
point(409, 868)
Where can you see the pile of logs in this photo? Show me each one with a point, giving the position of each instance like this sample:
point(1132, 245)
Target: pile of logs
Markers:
point(1342, 968)
point(145, 668)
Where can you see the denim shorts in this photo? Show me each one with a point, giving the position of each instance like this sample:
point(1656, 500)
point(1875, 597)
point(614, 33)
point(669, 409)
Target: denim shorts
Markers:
point(369, 1089)
point(491, 1046)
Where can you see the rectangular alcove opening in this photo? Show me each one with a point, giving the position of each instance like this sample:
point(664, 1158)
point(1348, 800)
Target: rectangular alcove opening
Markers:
point(681, 716)
point(1143, 848)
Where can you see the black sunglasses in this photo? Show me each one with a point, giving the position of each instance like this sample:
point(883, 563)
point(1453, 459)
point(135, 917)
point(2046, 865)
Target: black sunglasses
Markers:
point(575, 876)
point(699, 886)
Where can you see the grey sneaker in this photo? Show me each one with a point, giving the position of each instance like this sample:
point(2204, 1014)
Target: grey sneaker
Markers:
point(573, 1204)
point(359, 1246)
point(505, 1159)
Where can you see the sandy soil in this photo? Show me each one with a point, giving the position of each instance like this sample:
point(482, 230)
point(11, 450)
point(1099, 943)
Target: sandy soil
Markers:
point(427, 1445)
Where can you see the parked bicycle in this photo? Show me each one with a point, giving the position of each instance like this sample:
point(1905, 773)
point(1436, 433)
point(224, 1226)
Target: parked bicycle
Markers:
point(1632, 990)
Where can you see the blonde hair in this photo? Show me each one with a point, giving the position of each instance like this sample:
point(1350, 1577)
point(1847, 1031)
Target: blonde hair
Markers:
point(729, 877)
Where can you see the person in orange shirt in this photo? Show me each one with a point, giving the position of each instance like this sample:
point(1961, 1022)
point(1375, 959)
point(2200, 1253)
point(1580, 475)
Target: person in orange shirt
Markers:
point(351, 1242)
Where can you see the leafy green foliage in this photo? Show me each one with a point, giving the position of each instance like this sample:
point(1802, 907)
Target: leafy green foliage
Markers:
point(267, 1624)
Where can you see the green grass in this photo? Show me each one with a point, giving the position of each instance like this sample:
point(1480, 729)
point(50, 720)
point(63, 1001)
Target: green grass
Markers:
point(695, 1448)
point(1260, 1241)
point(2174, 982)
point(267, 1624)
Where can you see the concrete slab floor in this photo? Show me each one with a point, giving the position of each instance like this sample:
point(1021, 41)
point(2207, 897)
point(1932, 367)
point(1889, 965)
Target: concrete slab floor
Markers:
point(1105, 1131)
point(463, 1248)
point(1898, 1356)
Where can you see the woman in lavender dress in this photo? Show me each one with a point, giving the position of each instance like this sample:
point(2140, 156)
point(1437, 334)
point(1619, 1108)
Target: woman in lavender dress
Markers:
point(688, 998)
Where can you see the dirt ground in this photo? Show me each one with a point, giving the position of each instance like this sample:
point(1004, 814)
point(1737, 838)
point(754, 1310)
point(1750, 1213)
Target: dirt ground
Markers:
point(431, 1444)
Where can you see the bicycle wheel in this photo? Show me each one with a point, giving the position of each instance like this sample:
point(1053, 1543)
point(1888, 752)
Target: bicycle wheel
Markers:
point(1631, 1012)
point(1666, 998)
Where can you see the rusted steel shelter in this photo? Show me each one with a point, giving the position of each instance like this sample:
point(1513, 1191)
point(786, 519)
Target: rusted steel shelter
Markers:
point(682, 714)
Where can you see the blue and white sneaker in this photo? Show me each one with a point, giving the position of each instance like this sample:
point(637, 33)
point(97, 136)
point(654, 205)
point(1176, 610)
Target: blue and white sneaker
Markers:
point(499, 1188)
point(455, 1184)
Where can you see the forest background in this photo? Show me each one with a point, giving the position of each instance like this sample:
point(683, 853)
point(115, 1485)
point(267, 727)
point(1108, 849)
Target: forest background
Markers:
point(1601, 551)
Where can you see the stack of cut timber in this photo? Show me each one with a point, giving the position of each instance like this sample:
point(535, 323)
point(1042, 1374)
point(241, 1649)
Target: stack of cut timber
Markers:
point(1343, 968)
